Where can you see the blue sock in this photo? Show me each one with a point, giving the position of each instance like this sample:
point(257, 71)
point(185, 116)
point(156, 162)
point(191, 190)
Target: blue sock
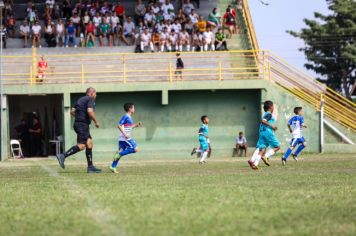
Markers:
point(300, 148)
point(127, 151)
point(288, 152)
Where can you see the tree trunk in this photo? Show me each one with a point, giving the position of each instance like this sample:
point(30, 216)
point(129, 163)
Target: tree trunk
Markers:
point(345, 86)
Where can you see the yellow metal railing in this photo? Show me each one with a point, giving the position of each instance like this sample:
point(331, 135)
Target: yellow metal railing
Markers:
point(149, 67)
point(249, 25)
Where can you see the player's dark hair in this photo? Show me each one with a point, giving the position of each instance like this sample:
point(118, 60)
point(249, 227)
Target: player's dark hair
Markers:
point(178, 54)
point(89, 91)
point(241, 132)
point(267, 105)
point(128, 105)
point(297, 110)
point(203, 118)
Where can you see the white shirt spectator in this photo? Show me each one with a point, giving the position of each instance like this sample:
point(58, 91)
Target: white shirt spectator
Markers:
point(75, 20)
point(241, 140)
point(184, 35)
point(177, 27)
point(129, 27)
point(193, 18)
point(145, 37)
point(155, 9)
point(25, 29)
point(166, 7)
point(60, 28)
point(49, 29)
point(208, 36)
point(164, 36)
point(173, 38)
point(86, 19)
point(36, 29)
point(187, 8)
point(114, 20)
point(169, 16)
point(149, 17)
point(50, 3)
point(159, 27)
point(97, 20)
point(108, 20)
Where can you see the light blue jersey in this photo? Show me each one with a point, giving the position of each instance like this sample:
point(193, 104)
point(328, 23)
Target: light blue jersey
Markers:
point(203, 132)
point(267, 116)
point(267, 137)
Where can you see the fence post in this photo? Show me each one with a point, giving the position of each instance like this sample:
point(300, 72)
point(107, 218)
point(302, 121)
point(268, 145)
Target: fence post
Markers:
point(31, 75)
point(220, 69)
point(124, 68)
point(82, 73)
point(170, 73)
point(34, 64)
point(321, 123)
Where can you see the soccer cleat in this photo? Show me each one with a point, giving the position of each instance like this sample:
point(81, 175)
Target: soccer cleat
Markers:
point(252, 165)
point(284, 161)
point(113, 170)
point(61, 159)
point(295, 157)
point(193, 151)
point(265, 161)
point(93, 169)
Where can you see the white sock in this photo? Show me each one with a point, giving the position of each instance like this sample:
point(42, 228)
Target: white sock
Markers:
point(162, 48)
point(188, 48)
point(193, 49)
point(151, 46)
point(169, 48)
point(206, 47)
point(258, 158)
point(213, 47)
point(255, 154)
point(269, 153)
point(203, 157)
point(142, 47)
point(180, 48)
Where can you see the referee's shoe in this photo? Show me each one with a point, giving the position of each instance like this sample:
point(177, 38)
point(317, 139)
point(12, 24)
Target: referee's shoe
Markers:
point(93, 169)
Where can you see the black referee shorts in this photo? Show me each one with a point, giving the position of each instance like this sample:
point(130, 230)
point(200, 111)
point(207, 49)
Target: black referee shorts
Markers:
point(82, 131)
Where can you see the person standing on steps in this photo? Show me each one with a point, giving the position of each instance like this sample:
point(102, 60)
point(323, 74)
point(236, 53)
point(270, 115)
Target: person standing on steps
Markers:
point(83, 113)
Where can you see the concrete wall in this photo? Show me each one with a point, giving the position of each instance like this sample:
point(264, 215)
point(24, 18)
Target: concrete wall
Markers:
point(172, 129)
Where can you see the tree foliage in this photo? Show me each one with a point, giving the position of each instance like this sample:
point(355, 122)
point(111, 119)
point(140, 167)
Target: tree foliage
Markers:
point(330, 45)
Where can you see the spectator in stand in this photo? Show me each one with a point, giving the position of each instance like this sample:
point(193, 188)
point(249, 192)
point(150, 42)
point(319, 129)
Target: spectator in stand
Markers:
point(241, 143)
point(76, 22)
point(197, 41)
point(105, 8)
point(105, 32)
point(164, 39)
point(10, 25)
point(172, 41)
point(85, 19)
point(60, 33)
point(140, 11)
point(159, 17)
point(187, 7)
point(189, 26)
point(229, 22)
point(184, 40)
point(3, 33)
point(36, 137)
point(42, 68)
point(149, 18)
point(156, 8)
point(129, 31)
point(36, 34)
point(233, 13)
point(146, 40)
point(220, 42)
point(208, 39)
point(167, 6)
point(57, 11)
point(156, 40)
point(115, 27)
point(214, 19)
point(31, 16)
point(7, 10)
point(201, 24)
point(176, 26)
point(120, 11)
point(181, 16)
point(25, 32)
point(67, 9)
point(97, 21)
point(49, 34)
point(70, 34)
point(194, 17)
point(50, 5)
point(90, 34)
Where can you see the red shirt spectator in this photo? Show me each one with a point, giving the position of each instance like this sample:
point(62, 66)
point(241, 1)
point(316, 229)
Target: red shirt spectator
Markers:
point(120, 10)
point(90, 28)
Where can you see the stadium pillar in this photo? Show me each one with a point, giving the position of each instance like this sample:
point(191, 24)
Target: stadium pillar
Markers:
point(164, 97)
point(4, 129)
point(321, 123)
point(67, 121)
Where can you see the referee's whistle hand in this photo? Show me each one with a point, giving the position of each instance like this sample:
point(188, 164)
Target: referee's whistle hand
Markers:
point(97, 125)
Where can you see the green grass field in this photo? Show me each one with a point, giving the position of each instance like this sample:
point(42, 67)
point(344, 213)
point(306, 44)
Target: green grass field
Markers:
point(316, 196)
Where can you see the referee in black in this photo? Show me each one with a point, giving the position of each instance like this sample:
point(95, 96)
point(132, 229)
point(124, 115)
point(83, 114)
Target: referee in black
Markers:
point(83, 113)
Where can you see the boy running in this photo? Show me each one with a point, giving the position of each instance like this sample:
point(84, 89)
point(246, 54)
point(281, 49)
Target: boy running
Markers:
point(203, 140)
point(266, 138)
point(295, 126)
point(127, 145)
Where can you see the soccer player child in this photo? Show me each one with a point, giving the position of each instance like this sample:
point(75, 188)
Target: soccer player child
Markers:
point(295, 126)
point(127, 145)
point(203, 140)
point(266, 137)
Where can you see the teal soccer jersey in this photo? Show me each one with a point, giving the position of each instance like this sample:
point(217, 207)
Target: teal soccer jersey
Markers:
point(204, 130)
point(266, 133)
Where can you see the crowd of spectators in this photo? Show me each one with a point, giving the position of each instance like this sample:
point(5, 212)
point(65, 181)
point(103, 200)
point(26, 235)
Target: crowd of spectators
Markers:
point(154, 26)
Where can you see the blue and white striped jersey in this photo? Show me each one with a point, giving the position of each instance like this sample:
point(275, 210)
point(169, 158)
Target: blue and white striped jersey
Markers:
point(127, 122)
point(296, 123)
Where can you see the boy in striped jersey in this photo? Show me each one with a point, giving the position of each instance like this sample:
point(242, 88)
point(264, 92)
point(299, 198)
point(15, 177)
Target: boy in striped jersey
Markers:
point(127, 145)
point(295, 126)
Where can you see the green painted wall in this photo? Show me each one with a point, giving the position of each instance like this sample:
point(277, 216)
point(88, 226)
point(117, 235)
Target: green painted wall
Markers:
point(172, 129)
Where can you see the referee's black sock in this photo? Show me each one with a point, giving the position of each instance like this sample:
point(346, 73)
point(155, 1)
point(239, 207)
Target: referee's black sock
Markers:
point(89, 154)
point(72, 151)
